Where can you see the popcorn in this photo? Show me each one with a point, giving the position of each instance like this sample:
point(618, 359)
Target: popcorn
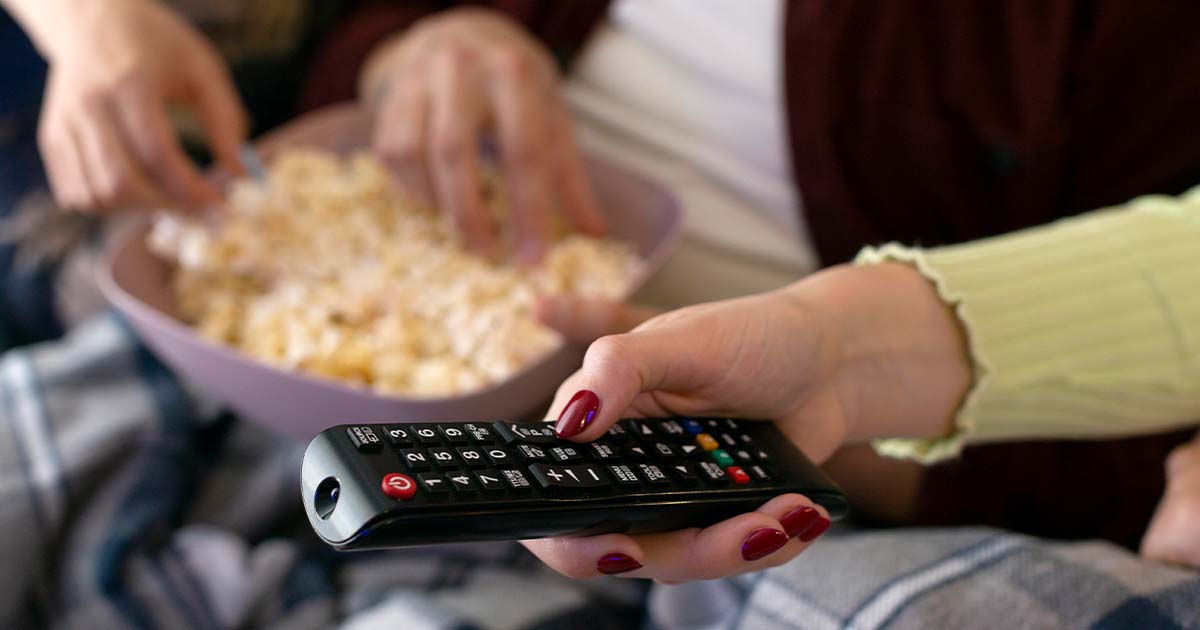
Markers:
point(330, 270)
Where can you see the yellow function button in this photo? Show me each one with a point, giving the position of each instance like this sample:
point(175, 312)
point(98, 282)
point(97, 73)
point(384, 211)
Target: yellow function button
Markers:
point(707, 442)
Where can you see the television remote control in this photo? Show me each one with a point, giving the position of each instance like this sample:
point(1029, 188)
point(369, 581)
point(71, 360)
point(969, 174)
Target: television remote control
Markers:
point(393, 485)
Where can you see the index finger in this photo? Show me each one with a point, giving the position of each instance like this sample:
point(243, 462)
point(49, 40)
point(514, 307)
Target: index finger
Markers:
point(144, 122)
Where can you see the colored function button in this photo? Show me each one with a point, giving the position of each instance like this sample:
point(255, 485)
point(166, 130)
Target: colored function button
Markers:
point(738, 475)
point(693, 427)
point(398, 435)
point(398, 487)
point(723, 458)
point(363, 438)
point(707, 442)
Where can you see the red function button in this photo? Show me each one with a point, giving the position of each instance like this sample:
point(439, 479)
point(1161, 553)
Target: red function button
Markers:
point(738, 475)
point(399, 486)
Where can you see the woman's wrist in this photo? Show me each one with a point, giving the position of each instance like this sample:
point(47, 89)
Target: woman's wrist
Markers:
point(903, 367)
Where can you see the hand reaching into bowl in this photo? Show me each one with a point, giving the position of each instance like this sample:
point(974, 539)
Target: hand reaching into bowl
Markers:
point(843, 356)
point(1174, 532)
point(458, 76)
point(104, 133)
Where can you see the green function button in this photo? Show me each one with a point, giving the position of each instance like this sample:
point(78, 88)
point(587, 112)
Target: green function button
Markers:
point(722, 458)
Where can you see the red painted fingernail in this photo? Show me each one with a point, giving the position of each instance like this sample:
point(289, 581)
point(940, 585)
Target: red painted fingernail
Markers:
point(579, 412)
point(615, 563)
point(799, 521)
point(816, 530)
point(763, 542)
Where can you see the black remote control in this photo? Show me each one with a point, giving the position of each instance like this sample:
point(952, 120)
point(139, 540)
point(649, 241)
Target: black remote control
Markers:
point(394, 485)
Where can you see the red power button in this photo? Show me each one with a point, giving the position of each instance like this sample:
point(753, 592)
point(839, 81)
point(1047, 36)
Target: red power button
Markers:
point(399, 486)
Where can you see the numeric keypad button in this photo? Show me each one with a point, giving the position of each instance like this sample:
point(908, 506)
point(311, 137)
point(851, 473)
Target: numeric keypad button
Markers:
point(425, 434)
point(480, 433)
point(472, 457)
point(416, 460)
point(400, 436)
point(462, 482)
point(443, 457)
point(434, 484)
point(712, 473)
point(490, 482)
point(498, 456)
point(653, 474)
point(453, 434)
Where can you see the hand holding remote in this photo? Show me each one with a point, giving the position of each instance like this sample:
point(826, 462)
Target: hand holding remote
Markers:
point(846, 355)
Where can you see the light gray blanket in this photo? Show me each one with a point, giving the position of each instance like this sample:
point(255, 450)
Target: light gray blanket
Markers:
point(127, 501)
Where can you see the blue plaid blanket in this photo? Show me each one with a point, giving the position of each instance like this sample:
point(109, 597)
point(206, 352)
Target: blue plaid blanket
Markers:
point(128, 501)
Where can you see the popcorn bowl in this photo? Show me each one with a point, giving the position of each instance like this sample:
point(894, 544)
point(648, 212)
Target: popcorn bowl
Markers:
point(137, 284)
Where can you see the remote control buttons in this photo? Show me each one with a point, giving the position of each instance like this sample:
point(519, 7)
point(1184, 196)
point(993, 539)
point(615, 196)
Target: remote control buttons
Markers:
point(723, 459)
point(480, 433)
point(516, 480)
point(531, 432)
point(569, 477)
point(434, 484)
point(472, 457)
point(426, 434)
point(601, 451)
point(532, 453)
point(759, 473)
point(690, 450)
point(653, 474)
point(565, 454)
point(738, 475)
point(363, 438)
point(672, 429)
point(637, 451)
point(398, 487)
point(744, 456)
point(398, 435)
point(662, 449)
point(713, 473)
point(453, 434)
point(684, 474)
point(728, 440)
point(443, 457)
point(416, 460)
point(489, 481)
point(693, 427)
point(462, 482)
point(623, 474)
point(643, 429)
point(707, 442)
point(498, 456)
point(618, 432)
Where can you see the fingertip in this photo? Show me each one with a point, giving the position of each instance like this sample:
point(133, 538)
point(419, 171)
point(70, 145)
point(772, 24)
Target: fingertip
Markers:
point(578, 414)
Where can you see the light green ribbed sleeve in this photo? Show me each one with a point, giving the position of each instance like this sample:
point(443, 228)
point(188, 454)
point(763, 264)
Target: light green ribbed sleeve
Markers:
point(1086, 327)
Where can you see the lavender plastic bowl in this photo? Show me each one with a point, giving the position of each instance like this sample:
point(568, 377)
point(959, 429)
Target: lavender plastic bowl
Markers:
point(136, 283)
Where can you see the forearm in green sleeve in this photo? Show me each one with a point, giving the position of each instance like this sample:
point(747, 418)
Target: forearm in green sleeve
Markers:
point(1088, 327)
